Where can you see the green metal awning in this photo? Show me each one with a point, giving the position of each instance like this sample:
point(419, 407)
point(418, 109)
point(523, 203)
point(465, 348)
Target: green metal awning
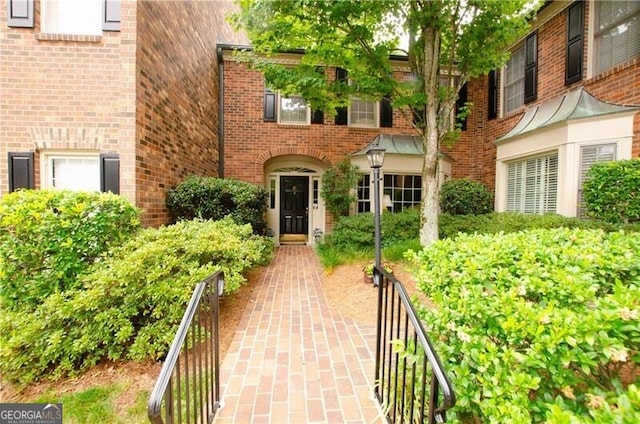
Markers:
point(398, 144)
point(575, 104)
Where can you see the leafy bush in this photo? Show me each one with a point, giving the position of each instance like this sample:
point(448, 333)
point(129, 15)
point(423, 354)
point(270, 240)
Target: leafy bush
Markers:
point(337, 185)
point(48, 238)
point(611, 191)
point(130, 304)
point(465, 197)
point(508, 222)
point(536, 324)
point(215, 198)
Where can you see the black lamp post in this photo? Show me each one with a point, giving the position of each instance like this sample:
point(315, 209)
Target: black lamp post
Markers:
point(375, 156)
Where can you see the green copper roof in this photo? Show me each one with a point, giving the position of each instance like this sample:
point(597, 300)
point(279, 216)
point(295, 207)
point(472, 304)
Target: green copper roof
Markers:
point(394, 143)
point(575, 104)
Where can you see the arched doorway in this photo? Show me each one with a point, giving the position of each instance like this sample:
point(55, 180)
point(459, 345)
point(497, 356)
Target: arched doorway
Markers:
point(295, 211)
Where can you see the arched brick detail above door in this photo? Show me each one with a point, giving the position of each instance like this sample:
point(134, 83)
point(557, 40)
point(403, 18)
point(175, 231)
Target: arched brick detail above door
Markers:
point(293, 151)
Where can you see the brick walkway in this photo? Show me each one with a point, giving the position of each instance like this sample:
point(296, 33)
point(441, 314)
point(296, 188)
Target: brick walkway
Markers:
point(294, 359)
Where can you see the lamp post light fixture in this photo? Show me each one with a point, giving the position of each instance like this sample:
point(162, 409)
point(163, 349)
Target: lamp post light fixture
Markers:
point(375, 156)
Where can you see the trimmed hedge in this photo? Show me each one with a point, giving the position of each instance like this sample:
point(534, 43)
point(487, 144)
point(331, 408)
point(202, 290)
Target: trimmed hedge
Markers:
point(465, 197)
point(611, 191)
point(48, 238)
point(130, 304)
point(536, 326)
point(216, 198)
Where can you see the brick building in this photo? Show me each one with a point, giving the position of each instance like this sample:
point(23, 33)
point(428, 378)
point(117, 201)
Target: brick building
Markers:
point(133, 103)
point(110, 95)
point(566, 99)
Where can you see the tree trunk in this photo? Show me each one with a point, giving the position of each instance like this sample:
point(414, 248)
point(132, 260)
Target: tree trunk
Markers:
point(430, 138)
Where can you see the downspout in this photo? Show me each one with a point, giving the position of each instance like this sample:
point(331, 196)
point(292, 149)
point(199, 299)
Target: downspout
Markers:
point(220, 113)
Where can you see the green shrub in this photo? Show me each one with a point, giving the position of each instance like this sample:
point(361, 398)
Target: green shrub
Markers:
point(611, 191)
point(130, 305)
point(465, 197)
point(509, 222)
point(534, 321)
point(215, 198)
point(48, 238)
point(338, 183)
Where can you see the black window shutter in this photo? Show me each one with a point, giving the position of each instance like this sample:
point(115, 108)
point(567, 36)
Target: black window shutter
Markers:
point(317, 117)
point(111, 15)
point(418, 117)
point(110, 173)
point(21, 170)
point(20, 13)
point(531, 68)
point(493, 94)
point(341, 112)
point(269, 106)
point(386, 113)
point(461, 103)
point(575, 30)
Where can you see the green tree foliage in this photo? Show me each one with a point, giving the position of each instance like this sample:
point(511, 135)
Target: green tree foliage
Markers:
point(338, 184)
point(215, 198)
point(611, 192)
point(465, 197)
point(129, 305)
point(450, 39)
point(49, 238)
point(536, 326)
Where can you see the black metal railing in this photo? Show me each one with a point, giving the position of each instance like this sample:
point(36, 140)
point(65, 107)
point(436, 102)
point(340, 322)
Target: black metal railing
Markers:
point(411, 383)
point(188, 387)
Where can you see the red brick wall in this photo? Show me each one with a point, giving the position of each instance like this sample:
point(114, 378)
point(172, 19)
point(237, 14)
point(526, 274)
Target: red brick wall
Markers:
point(619, 85)
point(177, 97)
point(249, 141)
point(67, 92)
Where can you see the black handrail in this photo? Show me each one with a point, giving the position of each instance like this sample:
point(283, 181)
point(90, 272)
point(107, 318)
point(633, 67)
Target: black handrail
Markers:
point(405, 357)
point(191, 392)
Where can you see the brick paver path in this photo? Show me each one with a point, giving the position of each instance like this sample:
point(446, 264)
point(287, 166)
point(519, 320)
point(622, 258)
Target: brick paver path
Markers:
point(294, 359)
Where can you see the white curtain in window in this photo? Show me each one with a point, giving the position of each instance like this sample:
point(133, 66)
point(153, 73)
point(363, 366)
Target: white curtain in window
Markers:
point(293, 110)
point(363, 113)
point(83, 17)
point(514, 81)
point(588, 156)
point(75, 173)
point(617, 35)
point(532, 185)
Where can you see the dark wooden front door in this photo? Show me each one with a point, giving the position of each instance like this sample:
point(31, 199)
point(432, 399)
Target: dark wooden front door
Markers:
point(294, 205)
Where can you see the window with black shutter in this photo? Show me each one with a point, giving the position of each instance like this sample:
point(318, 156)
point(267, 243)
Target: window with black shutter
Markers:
point(20, 13)
point(386, 113)
point(460, 105)
point(111, 15)
point(574, 52)
point(317, 117)
point(493, 94)
point(270, 106)
point(21, 170)
point(342, 112)
point(110, 173)
point(531, 68)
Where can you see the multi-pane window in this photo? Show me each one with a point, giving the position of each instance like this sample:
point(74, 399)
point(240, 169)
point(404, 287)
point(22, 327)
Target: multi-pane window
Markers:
point(514, 80)
point(364, 193)
point(73, 172)
point(590, 155)
point(363, 113)
point(72, 17)
point(532, 185)
point(293, 110)
point(403, 191)
point(617, 33)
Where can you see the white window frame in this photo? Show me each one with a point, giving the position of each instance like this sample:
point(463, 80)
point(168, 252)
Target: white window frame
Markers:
point(543, 200)
point(307, 120)
point(516, 83)
point(73, 17)
point(389, 199)
point(595, 67)
point(376, 113)
point(47, 170)
point(605, 152)
point(364, 190)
